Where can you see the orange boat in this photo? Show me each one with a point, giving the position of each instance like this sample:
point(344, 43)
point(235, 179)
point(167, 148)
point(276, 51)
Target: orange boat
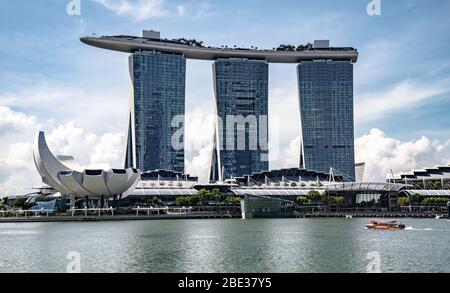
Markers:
point(385, 225)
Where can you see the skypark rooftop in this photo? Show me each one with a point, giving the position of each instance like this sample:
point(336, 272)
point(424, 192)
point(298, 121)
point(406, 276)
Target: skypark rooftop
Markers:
point(195, 50)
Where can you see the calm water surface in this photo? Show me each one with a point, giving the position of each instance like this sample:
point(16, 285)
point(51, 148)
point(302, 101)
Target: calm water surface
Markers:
point(264, 245)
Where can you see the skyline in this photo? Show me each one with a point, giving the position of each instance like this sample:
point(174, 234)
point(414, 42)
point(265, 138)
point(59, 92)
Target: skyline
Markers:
point(50, 68)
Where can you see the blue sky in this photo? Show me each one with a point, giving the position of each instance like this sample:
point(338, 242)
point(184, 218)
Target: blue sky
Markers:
point(49, 79)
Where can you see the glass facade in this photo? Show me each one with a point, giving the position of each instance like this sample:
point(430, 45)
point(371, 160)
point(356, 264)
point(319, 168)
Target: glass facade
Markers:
point(159, 96)
point(326, 109)
point(266, 207)
point(241, 90)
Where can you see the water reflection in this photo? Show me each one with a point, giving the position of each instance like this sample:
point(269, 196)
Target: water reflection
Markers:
point(265, 245)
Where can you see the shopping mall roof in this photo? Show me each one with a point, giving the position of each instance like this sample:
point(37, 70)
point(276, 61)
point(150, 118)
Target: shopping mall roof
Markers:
point(428, 193)
point(275, 192)
point(365, 187)
point(164, 192)
point(427, 174)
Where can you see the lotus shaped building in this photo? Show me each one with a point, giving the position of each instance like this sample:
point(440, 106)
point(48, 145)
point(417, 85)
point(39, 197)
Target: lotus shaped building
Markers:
point(65, 176)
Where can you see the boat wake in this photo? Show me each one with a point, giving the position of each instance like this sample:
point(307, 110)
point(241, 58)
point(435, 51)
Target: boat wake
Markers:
point(409, 228)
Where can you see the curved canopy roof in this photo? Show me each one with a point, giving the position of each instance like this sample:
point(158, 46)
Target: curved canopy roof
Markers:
point(365, 187)
point(275, 192)
point(130, 44)
point(435, 173)
point(433, 193)
point(164, 192)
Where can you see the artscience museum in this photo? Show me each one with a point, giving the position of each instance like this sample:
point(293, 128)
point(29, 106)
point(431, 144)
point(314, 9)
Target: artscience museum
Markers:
point(65, 176)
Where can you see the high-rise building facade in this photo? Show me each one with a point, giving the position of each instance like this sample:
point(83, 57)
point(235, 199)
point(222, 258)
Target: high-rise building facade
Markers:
point(326, 110)
point(158, 100)
point(241, 90)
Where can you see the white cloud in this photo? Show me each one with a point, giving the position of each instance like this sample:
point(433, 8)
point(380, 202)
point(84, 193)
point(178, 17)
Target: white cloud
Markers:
point(382, 153)
point(64, 103)
point(181, 10)
point(17, 159)
point(16, 134)
point(199, 164)
point(89, 150)
point(199, 129)
point(147, 9)
point(140, 9)
point(402, 96)
point(109, 151)
point(11, 122)
point(17, 170)
point(292, 154)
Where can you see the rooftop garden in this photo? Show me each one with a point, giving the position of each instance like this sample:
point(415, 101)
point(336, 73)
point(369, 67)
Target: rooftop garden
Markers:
point(200, 44)
point(292, 48)
point(189, 42)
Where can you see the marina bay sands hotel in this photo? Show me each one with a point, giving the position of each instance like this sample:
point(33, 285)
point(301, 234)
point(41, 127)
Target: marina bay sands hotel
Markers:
point(241, 85)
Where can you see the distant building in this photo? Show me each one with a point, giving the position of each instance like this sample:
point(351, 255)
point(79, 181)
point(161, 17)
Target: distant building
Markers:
point(158, 97)
point(427, 182)
point(422, 184)
point(241, 88)
point(288, 176)
point(61, 176)
point(256, 206)
point(326, 112)
point(167, 175)
point(166, 185)
point(359, 172)
point(158, 69)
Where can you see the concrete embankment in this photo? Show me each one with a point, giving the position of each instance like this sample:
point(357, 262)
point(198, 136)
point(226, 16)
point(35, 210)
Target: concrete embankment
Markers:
point(106, 218)
point(372, 215)
point(44, 219)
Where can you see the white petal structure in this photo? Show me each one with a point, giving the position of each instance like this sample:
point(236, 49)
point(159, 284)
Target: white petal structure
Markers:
point(65, 176)
point(70, 162)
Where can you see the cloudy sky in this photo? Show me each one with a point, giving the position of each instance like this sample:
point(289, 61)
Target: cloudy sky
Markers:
point(78, 94)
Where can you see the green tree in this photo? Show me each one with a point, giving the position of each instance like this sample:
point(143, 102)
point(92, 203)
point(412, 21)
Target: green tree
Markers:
point(339, 200)
point(302, 199)
point(327, 199)
point(403, 201)
point(313, 196)
point(204, 195)
point(182, 201)
point(20, 203)
point(156, 201)
point(3, 204)
point(435, 201)
point(194, 200)
point(217, 195)
point(416, 198)
point(233, 200)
